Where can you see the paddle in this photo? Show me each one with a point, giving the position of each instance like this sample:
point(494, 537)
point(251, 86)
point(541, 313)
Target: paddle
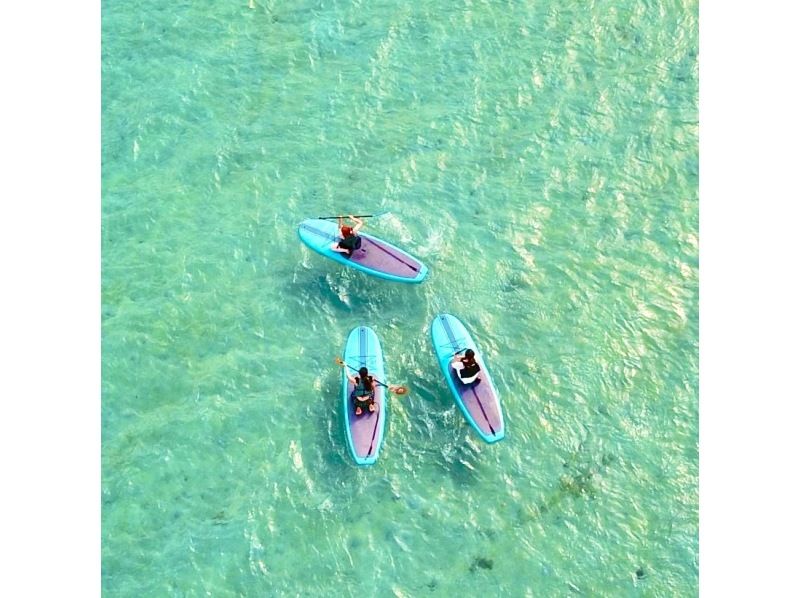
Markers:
point(376, 215)
point(398, 390)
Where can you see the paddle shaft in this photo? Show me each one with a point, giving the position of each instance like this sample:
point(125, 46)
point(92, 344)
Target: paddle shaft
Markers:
point(347, 216)
point(355, 370)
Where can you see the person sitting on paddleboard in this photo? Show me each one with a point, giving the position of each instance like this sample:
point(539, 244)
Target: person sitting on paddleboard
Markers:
point(363, 395)
point(350, 240)
point(466, 366)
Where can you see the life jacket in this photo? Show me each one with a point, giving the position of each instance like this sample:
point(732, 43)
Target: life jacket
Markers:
point(470, 368)
point(360, 389)
point(351, 243)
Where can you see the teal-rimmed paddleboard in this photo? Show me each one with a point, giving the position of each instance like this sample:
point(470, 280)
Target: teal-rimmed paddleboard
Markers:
point(364, 433)
point(375, 257)
point(478, 401)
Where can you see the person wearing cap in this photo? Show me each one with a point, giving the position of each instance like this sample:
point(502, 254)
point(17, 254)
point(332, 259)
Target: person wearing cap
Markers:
point(350, 241)
point(466, 366)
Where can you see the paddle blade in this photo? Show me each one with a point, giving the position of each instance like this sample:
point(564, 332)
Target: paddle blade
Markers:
point(400, 390)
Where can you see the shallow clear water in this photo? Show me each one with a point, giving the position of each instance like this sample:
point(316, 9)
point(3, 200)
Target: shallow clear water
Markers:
point(541, 158)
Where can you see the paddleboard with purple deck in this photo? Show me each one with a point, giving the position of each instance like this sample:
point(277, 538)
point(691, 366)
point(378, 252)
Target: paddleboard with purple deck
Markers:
point(375, 257)
point(478, 401)
point(364, 433)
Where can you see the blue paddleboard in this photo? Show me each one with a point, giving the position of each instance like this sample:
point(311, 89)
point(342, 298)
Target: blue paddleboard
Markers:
point(364, 433)
point(375, 257)
point(478, 401)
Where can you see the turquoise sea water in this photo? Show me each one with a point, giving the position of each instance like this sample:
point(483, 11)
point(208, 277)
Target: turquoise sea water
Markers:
point(541, 157)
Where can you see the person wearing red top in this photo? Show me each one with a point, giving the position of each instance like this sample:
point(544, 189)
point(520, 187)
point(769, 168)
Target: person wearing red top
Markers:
point(350, 241)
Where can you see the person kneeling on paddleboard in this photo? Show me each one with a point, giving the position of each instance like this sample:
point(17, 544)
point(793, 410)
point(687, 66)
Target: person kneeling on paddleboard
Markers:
point(350, 240)
point(363, 395)
point(466, 366)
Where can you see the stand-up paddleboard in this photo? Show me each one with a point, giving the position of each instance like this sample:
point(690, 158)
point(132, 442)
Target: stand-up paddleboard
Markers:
point(375, 257)
point(478, 401)
point(364, 432)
